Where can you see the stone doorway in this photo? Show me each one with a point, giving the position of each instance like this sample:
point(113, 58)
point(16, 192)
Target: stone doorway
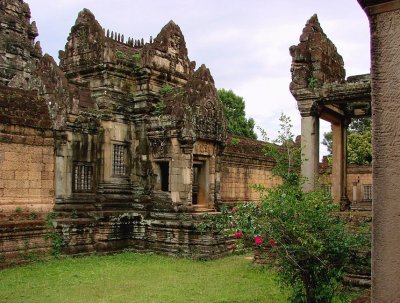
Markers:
point(200, 184)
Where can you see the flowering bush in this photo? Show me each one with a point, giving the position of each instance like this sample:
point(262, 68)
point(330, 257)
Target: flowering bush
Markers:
point(311, 245)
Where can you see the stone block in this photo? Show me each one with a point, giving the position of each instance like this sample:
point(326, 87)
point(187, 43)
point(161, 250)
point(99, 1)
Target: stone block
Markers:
point(34, 167)
point(34, 175)
point(21, 175)
point(47, 184)
point(34, 191)
point(7, 175)
point(10, 184)
point(35, 184)
point(47, 175)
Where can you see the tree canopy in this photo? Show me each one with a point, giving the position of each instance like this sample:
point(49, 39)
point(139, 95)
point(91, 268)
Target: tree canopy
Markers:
point(234, 108)
point(359, 142)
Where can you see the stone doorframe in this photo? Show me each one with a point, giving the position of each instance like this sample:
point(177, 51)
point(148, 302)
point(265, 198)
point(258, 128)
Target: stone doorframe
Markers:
point(322, 92)
point(201, 182)
point(338, 111)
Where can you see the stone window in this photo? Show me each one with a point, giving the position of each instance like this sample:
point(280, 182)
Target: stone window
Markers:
point(367, 192)
point(83, 177)
point(119, 160)
point(327, 188)
point(164, 175)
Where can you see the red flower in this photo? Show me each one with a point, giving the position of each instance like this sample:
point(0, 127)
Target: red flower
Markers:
point(234, 210)
point(238, 235)
point(273, 243)
point(258, 240)
point(232, 246)
point(258, 206)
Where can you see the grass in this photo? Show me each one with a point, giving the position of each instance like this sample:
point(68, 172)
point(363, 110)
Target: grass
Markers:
point(132, 277)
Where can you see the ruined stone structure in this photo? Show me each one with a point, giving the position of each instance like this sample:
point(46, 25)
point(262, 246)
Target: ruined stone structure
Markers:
point(384, 17)
point(358, 184)
point(322, 91)
point(125, 141)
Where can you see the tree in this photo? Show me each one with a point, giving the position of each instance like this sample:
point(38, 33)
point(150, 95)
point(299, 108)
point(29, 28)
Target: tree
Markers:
point(234, 108)
point(309, 244)
point(359, 142)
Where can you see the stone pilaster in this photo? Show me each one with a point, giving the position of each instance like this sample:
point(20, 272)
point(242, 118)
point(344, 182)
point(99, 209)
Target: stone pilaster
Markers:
point(310, 150)
point(384, 17)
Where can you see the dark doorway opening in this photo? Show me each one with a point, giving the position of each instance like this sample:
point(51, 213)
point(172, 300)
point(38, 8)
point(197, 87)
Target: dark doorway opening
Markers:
point(196, 183)
point(164, 175)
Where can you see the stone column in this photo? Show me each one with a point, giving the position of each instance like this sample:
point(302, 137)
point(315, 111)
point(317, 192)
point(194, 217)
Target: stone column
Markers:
point(339, 162)
point(384, 19)
point(310, 151)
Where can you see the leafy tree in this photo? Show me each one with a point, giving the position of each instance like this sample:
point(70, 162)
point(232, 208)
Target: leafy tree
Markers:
point(359, 142)
point(234, 108)
point(308, 243)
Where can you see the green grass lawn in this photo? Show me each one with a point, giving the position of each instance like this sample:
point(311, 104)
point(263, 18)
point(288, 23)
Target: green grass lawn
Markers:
point(131, 277)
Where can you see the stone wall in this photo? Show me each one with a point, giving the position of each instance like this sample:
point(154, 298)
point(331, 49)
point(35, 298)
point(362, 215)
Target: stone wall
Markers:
point(26, 153)
point(27, 174)
point(358, 182)
point(243, 166)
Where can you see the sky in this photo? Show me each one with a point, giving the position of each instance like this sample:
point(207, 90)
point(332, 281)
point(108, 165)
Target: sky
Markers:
point(244, 43)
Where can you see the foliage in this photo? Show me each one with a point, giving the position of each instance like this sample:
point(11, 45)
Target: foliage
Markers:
point(234, 108)
point(144, 278)
point(359, 142)
point(359, 148)
point(327, 141)
point(120, 55)
point(312, 82)
point(285, 151)
point(136, 58)
point(235, 141)
point(57, 240)
point(160, 107)
point(166, 89)
point(310, 245)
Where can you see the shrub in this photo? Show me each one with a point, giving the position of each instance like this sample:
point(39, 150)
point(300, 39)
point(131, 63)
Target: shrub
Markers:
point(309, 244)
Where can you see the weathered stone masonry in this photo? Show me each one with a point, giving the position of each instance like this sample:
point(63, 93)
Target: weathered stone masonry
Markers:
point(384, 17)
point(322, 91)
point(125, 141)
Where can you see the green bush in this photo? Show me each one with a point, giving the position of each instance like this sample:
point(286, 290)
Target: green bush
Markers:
point(308, 243)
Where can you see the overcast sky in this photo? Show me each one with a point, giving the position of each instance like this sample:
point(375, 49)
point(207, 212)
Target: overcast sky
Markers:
point(244, 43)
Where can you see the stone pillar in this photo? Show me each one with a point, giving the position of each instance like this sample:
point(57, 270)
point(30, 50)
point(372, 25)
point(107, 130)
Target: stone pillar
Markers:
point(310, 151)
point(339, 162)
point(384, 19)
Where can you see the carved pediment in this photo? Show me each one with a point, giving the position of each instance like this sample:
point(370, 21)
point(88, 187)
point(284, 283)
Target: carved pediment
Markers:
point(168, 51)
point(85, 42)
point(199, 109)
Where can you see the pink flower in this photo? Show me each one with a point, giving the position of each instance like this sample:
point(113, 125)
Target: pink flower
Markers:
point(238, 235)
point(234, 210)
point(273, 243)
point(258, 240)
point(232, 246)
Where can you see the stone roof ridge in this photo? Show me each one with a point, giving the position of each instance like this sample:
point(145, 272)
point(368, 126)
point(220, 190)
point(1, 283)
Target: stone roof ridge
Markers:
point(171, 36)
point(87, 18)
point(84, 16)
point(313, 23)
point(203, 73)
point(315, 60)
